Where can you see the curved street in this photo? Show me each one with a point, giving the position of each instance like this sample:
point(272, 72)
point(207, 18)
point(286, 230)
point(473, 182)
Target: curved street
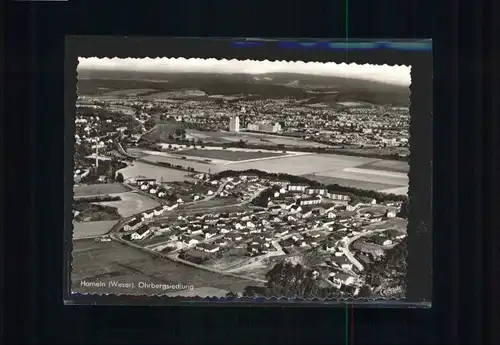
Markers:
point(348, 242)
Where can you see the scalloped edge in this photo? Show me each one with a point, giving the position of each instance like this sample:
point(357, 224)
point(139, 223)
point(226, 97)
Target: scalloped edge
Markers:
point(244, 299)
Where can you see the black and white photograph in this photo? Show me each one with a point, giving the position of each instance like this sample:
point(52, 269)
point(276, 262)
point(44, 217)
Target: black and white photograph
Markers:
point(240, 178)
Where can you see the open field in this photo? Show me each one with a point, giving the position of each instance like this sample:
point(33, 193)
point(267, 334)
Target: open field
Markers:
point(196, 165)
point(327, 168)
point(226, 262)
point(229, 155)
point(374, 208)
point(92, 229)
point(96, 189)
point(394, 223)
point(106, 261)
point(301, 165)
point(387, 165)
point(397, 190)
point(215, 202)
point(252, 138)
point(350, 183)
point(154, 171)
point(130, 92)
point(258, 271)
point(378, 150)
point(368, 176)
point(122, 109)
point(131, 203)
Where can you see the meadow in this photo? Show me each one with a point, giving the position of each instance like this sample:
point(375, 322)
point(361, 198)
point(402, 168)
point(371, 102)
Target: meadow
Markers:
point(153, 171)
point(387, 165)
point(98, 189)
point(350, 183)
point(107, 261)
point(131, 203)
point(229, 155)
point(83, 230)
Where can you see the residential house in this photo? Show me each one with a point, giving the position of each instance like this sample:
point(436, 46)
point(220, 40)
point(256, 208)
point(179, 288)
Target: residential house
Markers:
point(141, 233)
point(209, 233)
point(395, 234)
point(297, 187)
point(260, 242)
point(341, 262)
point(233, 237)
point(315, 191)
point(238, 226)
point(196, 197)
point(330, 247)
point(157, 211)
point(353, 207)
point(210, 193)
point(314, 234)
point(162, 194)
point(173, 237)
point(341, 279)
point(249, 177)
point(144, 187)
point(171, 207)
point(144, 180)
point(381, 241)
point(344, 216)
point(338, 196)
point(195, 232)
point(254, 248)
point(221, 242)
point(266, 236)
point(294, 208)
point(148, 214)
point(312, 242)
point(331, 215)
point(391, 213)
point(282, 232)
point(208, 247)
point(133, 225)
point(180, 201)
point(309, 201)
point(153, 191)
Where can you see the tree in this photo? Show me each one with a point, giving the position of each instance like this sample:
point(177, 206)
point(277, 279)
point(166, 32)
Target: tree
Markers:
point(119, 177)
point(231, 295)
point(404, 212)
point(291, 281)
point(364, 292)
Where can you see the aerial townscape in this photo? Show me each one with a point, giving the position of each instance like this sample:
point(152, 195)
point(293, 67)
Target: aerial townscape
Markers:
point(240, 179)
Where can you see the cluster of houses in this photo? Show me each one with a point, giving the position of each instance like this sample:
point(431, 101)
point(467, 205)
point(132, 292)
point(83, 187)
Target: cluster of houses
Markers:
point(139, 228)
point(151, 186)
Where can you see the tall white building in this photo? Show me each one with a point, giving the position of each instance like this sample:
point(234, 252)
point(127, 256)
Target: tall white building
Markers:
point(234, 124)
point(276, 127)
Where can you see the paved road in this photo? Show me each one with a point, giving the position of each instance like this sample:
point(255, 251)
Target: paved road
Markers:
point(276, 245)
point(347, 243)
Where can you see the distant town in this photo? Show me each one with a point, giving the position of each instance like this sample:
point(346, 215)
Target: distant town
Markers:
point(239, 195)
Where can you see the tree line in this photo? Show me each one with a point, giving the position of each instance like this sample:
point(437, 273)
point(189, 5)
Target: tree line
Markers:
point(332, 188)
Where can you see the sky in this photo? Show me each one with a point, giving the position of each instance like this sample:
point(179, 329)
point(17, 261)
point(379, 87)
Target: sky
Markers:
point(399, 75)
